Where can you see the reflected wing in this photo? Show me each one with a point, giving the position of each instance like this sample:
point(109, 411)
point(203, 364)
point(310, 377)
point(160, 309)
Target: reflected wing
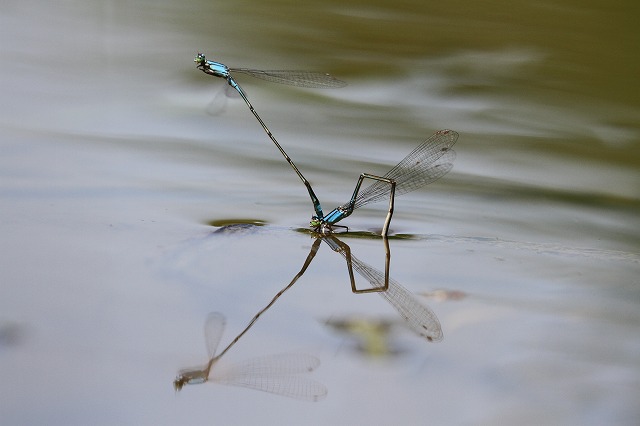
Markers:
point(213, 329)
point(278, 364)
point(289, 386)
point(276, 374)
point(418, 317)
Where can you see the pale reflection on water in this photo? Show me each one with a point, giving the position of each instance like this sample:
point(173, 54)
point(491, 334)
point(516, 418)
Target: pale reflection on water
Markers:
point(111, 170)
point(278, 373)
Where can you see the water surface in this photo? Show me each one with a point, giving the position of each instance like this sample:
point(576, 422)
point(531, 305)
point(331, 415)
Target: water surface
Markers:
point(114, 181)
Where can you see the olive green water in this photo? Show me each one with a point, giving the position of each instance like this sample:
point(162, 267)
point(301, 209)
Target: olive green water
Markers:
point(115, 179)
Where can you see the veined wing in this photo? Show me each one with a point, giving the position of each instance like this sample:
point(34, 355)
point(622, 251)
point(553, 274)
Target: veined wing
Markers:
point(294, 78)
point(420, 319)
point(213, 329)
point(427, 163)
point(277, 374)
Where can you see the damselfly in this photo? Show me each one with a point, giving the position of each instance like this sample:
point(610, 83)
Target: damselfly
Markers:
point(278, 374)
point(425, 164)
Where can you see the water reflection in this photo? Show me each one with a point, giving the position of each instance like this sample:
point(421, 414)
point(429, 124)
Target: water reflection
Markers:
point(420, 319)
point(372, 336)
point(277, 373)
point(11, 334)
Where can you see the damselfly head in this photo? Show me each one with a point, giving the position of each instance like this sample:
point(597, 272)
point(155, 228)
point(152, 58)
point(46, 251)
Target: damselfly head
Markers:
point(179, 383)
point(200, 59)
point(315, 222)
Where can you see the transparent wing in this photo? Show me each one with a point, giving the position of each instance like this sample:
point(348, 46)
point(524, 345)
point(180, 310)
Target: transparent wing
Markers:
point(213, 329)
point(278, 374)
point(278, 364)
point(427, 163)
point(420, 319)
point(294, 78)
point(219, 102)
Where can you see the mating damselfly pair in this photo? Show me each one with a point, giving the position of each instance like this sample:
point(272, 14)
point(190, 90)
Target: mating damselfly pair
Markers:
point(427, 163)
